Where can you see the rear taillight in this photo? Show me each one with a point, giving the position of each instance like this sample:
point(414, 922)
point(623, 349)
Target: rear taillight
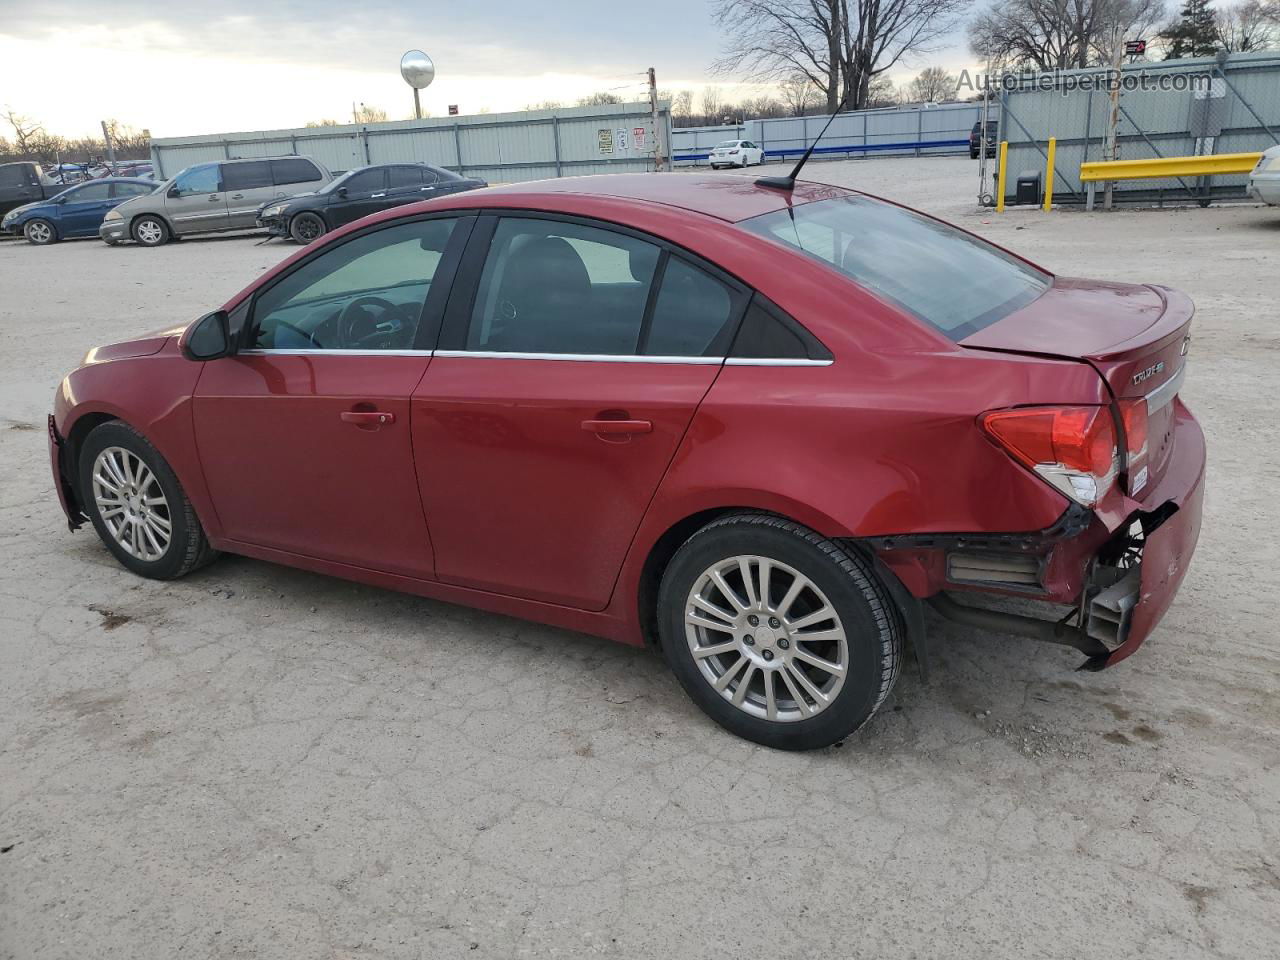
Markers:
point(1072, 448)
point(733, 152)
point(1133, 415)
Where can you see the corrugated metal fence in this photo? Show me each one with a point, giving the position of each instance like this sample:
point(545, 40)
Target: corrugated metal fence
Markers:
point(500, 148)
point(1182, 108)
point(899, 131)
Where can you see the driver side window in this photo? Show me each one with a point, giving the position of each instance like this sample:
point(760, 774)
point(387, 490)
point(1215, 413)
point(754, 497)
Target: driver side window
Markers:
point(365, 294)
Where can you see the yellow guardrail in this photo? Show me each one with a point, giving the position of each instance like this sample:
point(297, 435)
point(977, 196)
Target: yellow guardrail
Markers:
point(1158, 167)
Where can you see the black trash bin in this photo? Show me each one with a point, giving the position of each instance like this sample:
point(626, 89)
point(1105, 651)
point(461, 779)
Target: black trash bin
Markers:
point(1028, 188)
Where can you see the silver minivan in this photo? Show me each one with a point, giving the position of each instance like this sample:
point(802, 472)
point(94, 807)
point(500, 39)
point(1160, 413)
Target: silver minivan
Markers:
point(210, 197)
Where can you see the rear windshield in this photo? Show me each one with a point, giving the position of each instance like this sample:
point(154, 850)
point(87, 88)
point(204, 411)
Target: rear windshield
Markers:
point(956, 283)
point(728, 143)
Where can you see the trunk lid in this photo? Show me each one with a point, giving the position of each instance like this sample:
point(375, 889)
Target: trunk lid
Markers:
point(1135, 336)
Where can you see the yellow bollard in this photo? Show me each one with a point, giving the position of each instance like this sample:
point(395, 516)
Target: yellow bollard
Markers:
point(1048, 175)
point(1004, 158)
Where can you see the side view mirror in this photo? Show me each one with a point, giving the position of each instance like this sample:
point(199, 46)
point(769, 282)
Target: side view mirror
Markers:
point(208, 338)
point(173, 191)
point(342, 192)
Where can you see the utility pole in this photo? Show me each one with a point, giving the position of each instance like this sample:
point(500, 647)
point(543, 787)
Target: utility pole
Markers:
point(1109, 151)
point(658, 159)
point(111, 150)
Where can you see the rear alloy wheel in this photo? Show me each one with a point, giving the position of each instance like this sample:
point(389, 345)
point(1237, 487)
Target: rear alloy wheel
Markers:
point(137, 505)
point(40, 232)
point(780, 635)
point(150, 231)
point(306, 227)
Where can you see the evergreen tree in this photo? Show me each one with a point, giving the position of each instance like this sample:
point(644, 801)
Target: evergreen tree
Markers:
point(1194, 33)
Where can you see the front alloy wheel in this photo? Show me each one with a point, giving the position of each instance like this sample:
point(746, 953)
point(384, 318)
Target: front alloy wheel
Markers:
point(306, 227)
point(40, 232)
point(780, 635)
point(132, 506)
point(137, 505)
point(150, 231)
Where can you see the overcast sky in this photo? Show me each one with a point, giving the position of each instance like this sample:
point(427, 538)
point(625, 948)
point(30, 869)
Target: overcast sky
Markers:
point(184, 67)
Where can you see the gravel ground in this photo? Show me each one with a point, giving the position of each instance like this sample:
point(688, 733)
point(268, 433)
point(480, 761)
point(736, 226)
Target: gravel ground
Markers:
point(258, 762)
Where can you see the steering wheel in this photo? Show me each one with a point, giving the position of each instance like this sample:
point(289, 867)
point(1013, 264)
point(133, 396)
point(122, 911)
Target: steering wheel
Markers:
point(301, 334)
point(354, 315)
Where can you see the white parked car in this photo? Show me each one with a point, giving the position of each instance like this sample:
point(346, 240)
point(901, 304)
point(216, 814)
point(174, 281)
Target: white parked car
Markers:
point(735, 153)
point(1264, 181)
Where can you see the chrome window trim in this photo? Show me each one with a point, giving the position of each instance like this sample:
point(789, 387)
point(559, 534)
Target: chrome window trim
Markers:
point(581, 357)
point(1163, 395)
point(264, 351)
point(596, 357)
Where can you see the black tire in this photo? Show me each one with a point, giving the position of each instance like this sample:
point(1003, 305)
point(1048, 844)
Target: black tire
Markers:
point(872, 624)
point(307, 227)
point(150, 231)
point(973, 154)
point(188, 548)
point(40, 232)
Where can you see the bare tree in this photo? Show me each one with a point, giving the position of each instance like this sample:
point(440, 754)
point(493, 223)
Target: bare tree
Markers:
point(544, 105)
point(882, 93)
point(598, 99)
point(1247, 26)
point(798, 93)
point(682, 108)
point(933, 85)
point(712, 106)
point(368, 114)
point(321, 123)
point(26, 132)
point(1057, 34)
point(837, 45)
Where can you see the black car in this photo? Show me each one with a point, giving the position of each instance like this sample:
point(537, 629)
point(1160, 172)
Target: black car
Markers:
point(358, 193)
point(975, 136)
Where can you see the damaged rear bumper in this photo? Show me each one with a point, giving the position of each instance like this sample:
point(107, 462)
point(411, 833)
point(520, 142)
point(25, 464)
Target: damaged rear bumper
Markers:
point(1113, 586)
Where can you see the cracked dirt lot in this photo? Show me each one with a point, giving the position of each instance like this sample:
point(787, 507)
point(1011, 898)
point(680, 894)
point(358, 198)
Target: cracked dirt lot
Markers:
point(257, 762)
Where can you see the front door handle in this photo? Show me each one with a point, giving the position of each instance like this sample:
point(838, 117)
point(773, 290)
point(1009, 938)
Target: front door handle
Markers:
point(366, 418)
point(617, 427)
point(214, 198)
point(377, 196)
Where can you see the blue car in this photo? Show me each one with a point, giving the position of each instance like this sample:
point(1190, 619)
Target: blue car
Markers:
point(75, 212)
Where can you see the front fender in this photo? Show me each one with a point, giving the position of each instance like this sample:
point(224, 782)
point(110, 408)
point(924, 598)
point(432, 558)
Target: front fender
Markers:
point(153, 395)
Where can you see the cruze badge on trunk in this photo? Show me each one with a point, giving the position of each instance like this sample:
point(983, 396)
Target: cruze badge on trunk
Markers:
point(1148, 373)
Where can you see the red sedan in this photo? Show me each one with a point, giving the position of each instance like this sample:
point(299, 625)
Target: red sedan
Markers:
point(756, 427)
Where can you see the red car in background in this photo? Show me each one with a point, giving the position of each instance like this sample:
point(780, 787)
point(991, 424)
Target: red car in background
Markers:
point(757, 427)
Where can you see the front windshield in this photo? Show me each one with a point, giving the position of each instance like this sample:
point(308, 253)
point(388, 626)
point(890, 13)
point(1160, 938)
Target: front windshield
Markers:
point(954, 282)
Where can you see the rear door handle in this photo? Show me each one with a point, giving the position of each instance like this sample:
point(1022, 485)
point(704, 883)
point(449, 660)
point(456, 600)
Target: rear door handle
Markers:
point(616, 427)
point(425, 189)
point(237, 196)
point(375, 196)
point(367, 417)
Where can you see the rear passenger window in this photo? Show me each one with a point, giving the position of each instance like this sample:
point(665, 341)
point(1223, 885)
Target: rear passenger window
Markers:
point(404, 177)
point(767, 333)
point(691, 311)
point(246, 176)
point(552, 287)
point(294, 170)
point(130, 189)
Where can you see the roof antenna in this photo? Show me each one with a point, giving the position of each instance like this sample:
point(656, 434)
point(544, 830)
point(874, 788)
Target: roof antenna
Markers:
point(788, 182)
